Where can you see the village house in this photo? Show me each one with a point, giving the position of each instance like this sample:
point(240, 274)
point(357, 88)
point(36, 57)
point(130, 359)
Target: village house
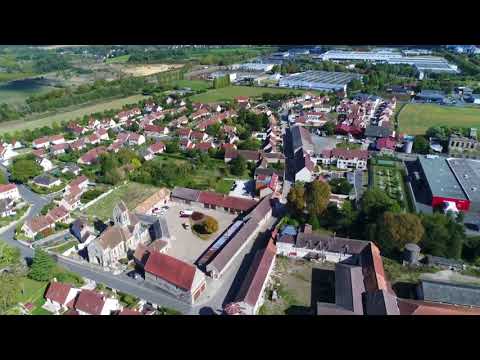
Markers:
point(249, 155)
point(199, 136)
point(71, 168)
point(91, 156)
point(152, 150)
point(56, 139)
point(135, 139)
point(42, 142)
point(9, 191)
point(80, 182)
point(154, 131)
point(39, 153)
point(46, 181)
point(186, 144)
point(204, 146)
point(7, 207)
point(304, 167)
point(45, 163)
point(89, 302)
point(200, 114)
point(60, 297)
point(345, 158)
point(178, 278)
point(78, 145)
point(184, 133)
point(33, 226)
point(59, 149)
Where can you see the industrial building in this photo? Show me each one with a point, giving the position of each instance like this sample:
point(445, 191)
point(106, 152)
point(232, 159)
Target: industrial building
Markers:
point(421, 63)
point(253, 67)
point(451, 180)
point(319, 80)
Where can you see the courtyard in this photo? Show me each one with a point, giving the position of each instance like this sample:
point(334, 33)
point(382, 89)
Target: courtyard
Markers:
point(185, 245)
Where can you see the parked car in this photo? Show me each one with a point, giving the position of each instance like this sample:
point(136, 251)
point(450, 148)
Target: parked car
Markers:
point(186, 212)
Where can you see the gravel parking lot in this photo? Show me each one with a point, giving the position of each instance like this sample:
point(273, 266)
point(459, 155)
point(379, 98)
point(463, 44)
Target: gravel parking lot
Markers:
point(185, 245)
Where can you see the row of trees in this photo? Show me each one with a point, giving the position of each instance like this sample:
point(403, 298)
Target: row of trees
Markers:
point(221, 82)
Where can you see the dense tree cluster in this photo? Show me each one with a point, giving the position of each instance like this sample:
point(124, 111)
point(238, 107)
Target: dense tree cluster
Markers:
point(221, 82)
point(24, 168)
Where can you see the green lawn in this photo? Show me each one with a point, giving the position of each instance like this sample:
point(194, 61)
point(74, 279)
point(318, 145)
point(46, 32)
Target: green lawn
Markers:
point(132, 194)
point(347, 145)
point(33, 291)
point(4, 76)
point(68, 115)
point(224, 186)
point(415, 119)
point(230, 92)
point(118, 59)
point(64, 247)
point(193, 84)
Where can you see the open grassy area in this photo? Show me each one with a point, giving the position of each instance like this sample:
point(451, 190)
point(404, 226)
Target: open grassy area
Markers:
point(32, 290)
point(193, 84)
point(64, 247)
point(415, 119)
point(16, 92)
point(230, 92)
point(294, 281)
point(118, 59)
point(131, 193)
point(12, 126)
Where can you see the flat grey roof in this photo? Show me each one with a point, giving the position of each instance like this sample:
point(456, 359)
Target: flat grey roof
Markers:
point(467, 172)
point(441, 179)
point(335, 78)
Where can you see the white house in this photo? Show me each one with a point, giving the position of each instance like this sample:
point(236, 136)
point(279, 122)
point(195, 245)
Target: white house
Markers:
point(59, 296)
point(9, 191)
point(46, 164)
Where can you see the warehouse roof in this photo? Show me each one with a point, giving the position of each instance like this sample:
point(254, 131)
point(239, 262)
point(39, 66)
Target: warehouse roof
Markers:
point(467, 172)
point(441, 179)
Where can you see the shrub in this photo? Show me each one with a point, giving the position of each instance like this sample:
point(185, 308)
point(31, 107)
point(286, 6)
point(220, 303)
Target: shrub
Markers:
point(210, 225)
point(69, 278)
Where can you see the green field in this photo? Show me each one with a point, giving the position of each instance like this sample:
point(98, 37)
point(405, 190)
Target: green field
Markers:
point(224, 186)
point(16, 92)
point(12, 126)
point(229, 93)
point(131, 193)
point(193, 84)
point(118, 59)
point(415, 119)
point(4, 76)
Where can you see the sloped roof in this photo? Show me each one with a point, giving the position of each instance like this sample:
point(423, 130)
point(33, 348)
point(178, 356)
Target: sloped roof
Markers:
point(170, 269)
point(90, 302)
point(58, 292)
point(256, 277)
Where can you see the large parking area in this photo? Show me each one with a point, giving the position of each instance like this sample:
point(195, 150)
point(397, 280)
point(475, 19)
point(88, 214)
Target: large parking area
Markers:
point(185, 245)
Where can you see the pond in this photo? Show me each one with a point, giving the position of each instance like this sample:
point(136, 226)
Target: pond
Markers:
point(15, 92)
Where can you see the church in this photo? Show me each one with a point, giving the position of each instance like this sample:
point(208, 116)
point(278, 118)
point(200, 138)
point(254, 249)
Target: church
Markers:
point(117, 240)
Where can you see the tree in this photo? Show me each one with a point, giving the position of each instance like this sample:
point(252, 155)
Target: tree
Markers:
point(421, 145)
point(238, 166)
point(443, 236)
point(374, 203)
point(313, 220)
point(395, 230)
point(340, 186)
point(329, 128)
point(9, 291)
point(24, 169)
point(317, 196)
point(210, 225)
point(43, 266)
point(250, 144)
point(296, 198)
point(172, 147)
point(9, 255)
point(213, 130)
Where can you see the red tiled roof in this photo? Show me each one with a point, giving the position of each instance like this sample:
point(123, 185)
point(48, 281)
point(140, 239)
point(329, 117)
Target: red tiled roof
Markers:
point(418, 307)
point(41, 140)
point(56, 137)
point(171, 270)
point(349, 154)
point(78, 180)
point(57, 292)
point(386, 143)
point(92, 154)
point(7, 187)
point(204, 146)
point(90, 302)
point(225, 201)
point(198, 135)
point(57, 213)
point(38, 223)
point(153, 128)
point(158, 146)
point(184, 132)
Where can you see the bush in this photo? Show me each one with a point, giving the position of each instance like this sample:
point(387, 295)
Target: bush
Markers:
point(68, 277)
point(90, 195)
point(210, 225)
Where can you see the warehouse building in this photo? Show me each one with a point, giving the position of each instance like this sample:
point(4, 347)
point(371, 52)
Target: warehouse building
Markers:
point(441, 183)
point(467, 172)
point(319, 80)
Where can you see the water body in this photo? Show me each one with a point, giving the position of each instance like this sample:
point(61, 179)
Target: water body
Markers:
point(16, 91)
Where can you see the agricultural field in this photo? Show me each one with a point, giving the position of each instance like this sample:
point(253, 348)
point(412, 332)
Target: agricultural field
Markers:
point(230, 92)
point(415, 119)
point(299, 285)
point(388, 178)
point(12, 126)
point(131, 193)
